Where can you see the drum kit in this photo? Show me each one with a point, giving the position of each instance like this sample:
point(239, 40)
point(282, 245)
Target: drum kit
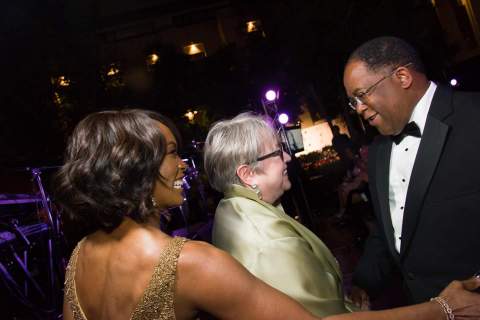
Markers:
point(32, 261)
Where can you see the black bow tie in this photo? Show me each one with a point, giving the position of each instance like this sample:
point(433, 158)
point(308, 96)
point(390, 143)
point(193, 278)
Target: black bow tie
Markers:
point(411, 129)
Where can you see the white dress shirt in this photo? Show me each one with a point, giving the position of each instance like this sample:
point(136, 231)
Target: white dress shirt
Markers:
point(402, 160)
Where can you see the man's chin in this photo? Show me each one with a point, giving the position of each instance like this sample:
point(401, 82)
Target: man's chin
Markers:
point(385, 131)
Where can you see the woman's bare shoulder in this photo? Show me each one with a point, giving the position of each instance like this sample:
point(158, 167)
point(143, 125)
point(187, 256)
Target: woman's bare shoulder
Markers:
point(201, 254)
point(203, 259)
point(207, 275)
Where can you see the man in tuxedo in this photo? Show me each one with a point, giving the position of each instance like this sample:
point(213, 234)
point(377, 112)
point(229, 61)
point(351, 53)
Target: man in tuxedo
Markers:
point(424, 171)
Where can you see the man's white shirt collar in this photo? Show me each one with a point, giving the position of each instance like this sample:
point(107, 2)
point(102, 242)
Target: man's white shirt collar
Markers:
point(420, 112)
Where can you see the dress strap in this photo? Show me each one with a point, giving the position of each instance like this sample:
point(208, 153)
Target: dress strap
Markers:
point(157, 300)
point(70, 287)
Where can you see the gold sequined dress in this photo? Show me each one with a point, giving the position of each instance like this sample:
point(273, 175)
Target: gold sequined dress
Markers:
point(157, 300)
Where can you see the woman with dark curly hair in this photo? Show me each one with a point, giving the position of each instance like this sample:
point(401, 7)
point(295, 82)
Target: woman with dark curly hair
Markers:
point(121, 172)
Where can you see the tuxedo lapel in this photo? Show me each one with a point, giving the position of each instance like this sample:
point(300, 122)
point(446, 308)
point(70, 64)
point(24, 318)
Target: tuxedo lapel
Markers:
point(382, 181)
point(428, 155)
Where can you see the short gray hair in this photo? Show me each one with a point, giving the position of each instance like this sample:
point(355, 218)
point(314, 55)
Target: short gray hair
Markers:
point(231, 143)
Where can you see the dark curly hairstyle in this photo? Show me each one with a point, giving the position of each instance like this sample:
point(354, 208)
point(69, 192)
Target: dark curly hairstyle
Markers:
point(111, 165)
point(382, 52)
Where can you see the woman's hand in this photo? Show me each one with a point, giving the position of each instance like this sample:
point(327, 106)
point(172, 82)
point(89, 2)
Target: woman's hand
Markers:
point(465, 304)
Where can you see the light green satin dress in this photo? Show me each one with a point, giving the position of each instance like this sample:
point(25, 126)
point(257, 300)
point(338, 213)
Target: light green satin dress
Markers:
point(280, 251)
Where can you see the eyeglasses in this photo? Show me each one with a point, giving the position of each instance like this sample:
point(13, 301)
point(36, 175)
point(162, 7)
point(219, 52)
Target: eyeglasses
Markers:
point(278, 152)
point(354, 101)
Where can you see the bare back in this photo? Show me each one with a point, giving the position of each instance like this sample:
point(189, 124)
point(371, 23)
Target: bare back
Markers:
point(113, 273)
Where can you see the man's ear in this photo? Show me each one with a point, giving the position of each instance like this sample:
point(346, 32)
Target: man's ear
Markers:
point(246, 174)
point(404, 75)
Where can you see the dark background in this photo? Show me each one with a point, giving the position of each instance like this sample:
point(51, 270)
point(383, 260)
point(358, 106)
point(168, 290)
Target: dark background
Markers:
point(301, 48)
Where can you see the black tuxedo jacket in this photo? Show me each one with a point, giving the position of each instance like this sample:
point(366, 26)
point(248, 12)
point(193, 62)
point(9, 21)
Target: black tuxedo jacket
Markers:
point(441, 223)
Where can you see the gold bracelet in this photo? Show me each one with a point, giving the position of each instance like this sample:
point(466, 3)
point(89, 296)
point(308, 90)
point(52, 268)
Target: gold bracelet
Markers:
point(446, 308)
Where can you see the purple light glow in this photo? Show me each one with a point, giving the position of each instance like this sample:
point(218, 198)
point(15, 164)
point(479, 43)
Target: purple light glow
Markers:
point(271, 95)
point(453, 82)
point(283, 118)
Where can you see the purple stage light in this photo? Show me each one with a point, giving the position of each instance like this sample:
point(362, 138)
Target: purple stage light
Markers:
point(453, 82)
point(271, 95)
point(283, 118)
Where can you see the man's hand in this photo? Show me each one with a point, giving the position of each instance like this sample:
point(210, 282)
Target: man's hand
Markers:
point(464, 303)
point(360, 298)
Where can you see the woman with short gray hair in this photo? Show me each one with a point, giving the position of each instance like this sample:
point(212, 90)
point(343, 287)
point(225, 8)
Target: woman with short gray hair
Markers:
point(245, 160)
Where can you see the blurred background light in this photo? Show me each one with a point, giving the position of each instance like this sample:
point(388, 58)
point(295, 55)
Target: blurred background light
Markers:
point(270, 95)
point(283, 118)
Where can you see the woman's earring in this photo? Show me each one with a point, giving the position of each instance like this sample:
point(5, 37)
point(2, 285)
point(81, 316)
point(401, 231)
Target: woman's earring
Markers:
point(154, 203)
point(257, 191)
point(182, 166)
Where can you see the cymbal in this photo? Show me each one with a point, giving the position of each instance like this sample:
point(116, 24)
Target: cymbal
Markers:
point(20, 198)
